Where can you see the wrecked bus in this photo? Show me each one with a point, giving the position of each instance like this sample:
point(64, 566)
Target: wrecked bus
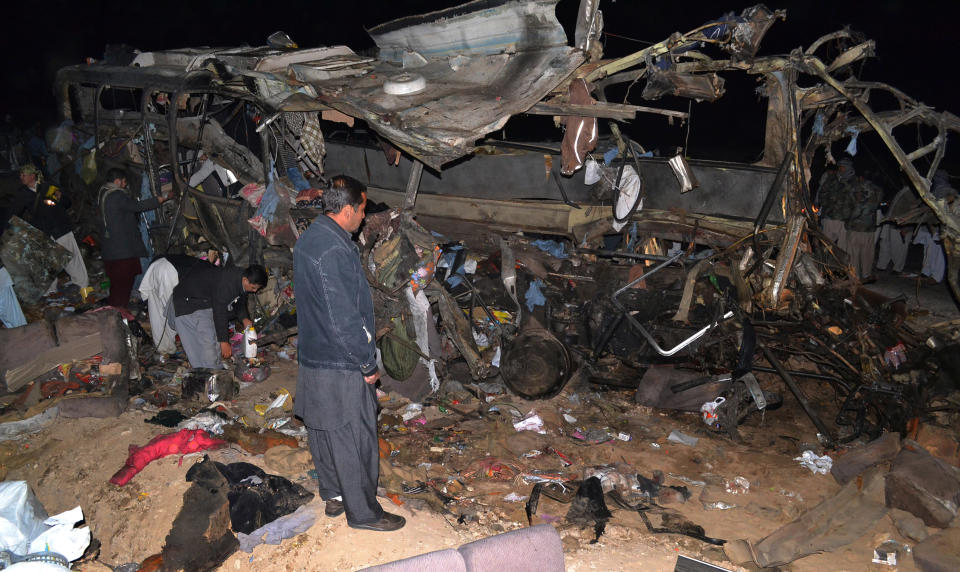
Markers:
point(246, 136)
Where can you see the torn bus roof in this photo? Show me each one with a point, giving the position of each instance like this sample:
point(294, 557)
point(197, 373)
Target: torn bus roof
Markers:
point(466, 71)
point(441, 82)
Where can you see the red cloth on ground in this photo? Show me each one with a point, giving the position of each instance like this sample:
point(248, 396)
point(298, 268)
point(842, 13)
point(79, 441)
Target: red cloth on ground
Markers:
point(122, 273)
point(182, 442)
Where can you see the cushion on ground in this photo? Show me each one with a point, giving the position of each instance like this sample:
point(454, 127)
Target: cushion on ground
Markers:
point(534, 548)
point(441, 560)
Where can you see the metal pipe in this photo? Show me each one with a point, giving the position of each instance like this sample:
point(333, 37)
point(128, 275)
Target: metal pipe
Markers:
point(643, 331)
point(617, 254)
point(664, 352)
point(798, 393)
point(808, 374)
point(646, 275)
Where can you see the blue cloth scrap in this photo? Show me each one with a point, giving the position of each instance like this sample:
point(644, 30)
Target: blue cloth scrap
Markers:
point(296, 178)
point(454, 275)
point(551, 247)
point(632, 234)
point(819, 122)
point(534, 296)
point(271, 198)
point(852, 147)
point(610, 155)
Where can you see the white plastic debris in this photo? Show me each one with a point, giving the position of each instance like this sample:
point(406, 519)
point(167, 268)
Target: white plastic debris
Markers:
point(25, 527)
point(514, 497)
point(708, 411)
point(817, 464)
point(532, 422)
point(481, 339)
point(412, 411)
point(206, 420)
point(718, 505)
point(683, 438)
point(687, 480)
point(737, 486)
point(592, 171)
point(62, 537)
point(278, 402)
point(569, 418)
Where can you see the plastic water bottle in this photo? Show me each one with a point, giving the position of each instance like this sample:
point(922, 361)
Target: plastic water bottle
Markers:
point(250, 343)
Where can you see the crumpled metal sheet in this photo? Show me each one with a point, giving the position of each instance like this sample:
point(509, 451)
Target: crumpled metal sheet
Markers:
point(481, 68)
point(32, 258)
point(701, 87)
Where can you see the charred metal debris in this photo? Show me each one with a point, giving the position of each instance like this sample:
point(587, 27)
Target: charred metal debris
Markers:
point(536, 263)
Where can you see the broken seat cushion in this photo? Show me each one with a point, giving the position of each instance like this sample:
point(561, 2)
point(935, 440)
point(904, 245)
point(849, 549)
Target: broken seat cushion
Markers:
point(448, 560)
point(533, 548)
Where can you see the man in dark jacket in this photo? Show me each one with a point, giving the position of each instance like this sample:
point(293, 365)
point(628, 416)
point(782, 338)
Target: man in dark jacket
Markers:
point(336, 396)
point(121, 245)
point(204, 302)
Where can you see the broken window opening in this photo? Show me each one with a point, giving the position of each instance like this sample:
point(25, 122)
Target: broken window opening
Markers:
point(121, 99)
point(730, 128)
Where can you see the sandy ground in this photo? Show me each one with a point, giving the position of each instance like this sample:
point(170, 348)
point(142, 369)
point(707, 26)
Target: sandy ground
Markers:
point(69, 463)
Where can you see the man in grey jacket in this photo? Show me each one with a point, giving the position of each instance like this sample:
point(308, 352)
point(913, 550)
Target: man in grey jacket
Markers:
point(336, 396)
point(120, 244)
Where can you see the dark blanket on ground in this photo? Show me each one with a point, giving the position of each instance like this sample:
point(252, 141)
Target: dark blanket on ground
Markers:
point(257, 498)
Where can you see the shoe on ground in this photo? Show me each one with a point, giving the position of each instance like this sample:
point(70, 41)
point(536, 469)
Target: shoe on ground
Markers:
point(333, 508)
point(387, 523)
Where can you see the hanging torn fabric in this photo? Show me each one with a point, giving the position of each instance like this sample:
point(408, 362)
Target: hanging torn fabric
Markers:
point(311, 138)
point(852, 147)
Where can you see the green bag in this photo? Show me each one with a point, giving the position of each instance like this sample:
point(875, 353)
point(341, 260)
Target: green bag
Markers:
point(398, 352)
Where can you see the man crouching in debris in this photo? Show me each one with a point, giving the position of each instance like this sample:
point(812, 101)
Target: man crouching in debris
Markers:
point(336, 397)
point(204, 302)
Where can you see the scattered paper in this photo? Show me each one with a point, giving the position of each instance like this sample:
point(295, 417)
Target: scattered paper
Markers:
point(815, 463)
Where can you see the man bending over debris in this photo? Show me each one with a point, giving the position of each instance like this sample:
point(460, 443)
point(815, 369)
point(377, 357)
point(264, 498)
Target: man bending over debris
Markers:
point(336, 397)
point(203, 303)
point(161, 277)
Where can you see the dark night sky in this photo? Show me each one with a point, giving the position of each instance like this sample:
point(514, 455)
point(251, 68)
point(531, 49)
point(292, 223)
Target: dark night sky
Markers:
point(914, 39)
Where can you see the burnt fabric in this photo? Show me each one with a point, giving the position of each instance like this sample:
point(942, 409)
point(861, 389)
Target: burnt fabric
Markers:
point(257, 498)
point(200, 538)
point(589, 508)
point(179, 443)
point(167, 418)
